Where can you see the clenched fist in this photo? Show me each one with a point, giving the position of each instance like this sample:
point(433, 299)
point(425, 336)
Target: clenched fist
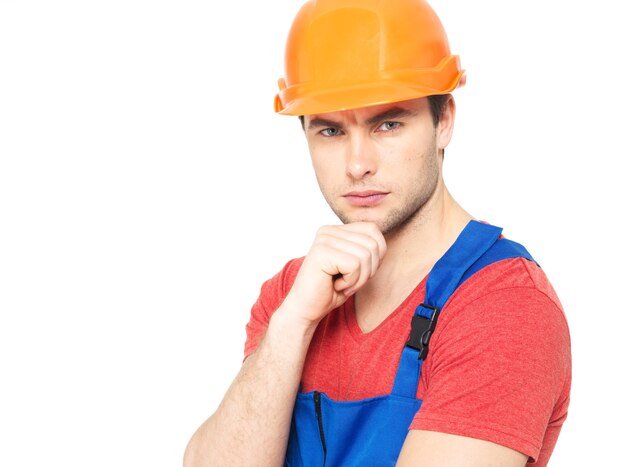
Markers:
point(341, 260)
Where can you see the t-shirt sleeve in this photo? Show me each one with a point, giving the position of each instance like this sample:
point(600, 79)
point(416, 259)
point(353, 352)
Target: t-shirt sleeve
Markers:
point(497, 370)
point(273, 292)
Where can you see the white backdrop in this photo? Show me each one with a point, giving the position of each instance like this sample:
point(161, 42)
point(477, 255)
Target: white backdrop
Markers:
point(147, 189)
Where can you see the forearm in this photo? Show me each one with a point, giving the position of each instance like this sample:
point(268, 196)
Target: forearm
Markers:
point(251, 425)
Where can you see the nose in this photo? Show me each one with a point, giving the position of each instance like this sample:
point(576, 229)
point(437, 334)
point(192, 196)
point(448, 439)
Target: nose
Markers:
point(362, 157)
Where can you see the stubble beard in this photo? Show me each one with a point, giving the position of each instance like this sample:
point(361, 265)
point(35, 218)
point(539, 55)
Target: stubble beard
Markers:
point(412, 211)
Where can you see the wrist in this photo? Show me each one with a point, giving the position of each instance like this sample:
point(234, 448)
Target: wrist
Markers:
point(288, 322)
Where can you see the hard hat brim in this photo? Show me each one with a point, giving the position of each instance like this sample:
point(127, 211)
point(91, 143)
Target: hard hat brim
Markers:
point(391, 87)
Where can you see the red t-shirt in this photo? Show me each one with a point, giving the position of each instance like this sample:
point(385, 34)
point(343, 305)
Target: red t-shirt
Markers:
point(498, 368)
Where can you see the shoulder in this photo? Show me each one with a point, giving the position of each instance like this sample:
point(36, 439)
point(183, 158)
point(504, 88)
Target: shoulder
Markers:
point(508, 321)
point(509, 302)
point(501, 345)
point(513, 280)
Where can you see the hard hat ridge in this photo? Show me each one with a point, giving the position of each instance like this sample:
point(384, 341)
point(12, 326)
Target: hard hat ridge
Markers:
point(344, 54)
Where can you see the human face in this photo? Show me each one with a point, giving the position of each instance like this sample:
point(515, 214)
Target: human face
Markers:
point(379, 164)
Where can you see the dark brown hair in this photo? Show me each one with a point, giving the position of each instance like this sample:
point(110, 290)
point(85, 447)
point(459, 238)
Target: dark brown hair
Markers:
point(438, 105)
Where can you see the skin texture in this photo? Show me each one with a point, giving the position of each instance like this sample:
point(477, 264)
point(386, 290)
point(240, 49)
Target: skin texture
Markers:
point(251, 425)
point(348, 159)
point(379, 168)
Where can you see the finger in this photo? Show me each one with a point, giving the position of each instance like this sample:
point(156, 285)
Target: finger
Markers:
point(343, 267)
point(337, 236)
point(345, 258)
point(371, 230)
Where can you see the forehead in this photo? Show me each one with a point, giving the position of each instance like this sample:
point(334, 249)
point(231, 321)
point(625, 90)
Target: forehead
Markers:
point(367, 113)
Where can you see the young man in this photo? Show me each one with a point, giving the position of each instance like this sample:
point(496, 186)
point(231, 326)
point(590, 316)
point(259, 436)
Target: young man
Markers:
point(352, 357)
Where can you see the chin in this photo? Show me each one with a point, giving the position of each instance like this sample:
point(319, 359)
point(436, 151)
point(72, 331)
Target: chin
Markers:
point(393, 222)
point(382, 224)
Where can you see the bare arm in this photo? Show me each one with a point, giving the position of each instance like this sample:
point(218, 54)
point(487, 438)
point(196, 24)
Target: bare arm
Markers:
point(434, 449)
point(258, 404)
point(251, 425)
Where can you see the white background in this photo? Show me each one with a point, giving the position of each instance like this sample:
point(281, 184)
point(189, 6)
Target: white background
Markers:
point(147, 189)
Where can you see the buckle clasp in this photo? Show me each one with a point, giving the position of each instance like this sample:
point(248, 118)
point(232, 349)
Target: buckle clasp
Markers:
point(422, 328)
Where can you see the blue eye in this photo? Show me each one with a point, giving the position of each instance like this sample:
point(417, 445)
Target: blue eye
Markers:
point(389, 126)
point(329, 132)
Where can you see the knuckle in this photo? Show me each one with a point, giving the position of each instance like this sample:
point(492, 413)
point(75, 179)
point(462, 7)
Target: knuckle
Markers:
point(372, 244)
point(322, 238)
point(323, 230)
point(365, 254)
point(354, 264)
point(319, 233)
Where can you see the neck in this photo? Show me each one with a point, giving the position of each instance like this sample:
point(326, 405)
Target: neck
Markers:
point(414, 248)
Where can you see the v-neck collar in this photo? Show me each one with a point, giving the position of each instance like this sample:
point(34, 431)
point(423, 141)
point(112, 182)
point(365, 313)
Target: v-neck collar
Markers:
point(408, 303)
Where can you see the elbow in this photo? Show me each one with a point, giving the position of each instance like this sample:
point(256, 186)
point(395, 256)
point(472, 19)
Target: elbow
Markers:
point(196, 453)
point(190, 456)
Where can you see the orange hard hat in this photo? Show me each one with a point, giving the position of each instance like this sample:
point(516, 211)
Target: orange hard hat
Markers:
point(345, 54)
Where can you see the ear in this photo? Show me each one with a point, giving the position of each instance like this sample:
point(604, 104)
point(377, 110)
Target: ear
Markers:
point(446, 124)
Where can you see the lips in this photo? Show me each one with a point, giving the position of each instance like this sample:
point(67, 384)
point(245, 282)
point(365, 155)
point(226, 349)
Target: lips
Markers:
point(367, 198)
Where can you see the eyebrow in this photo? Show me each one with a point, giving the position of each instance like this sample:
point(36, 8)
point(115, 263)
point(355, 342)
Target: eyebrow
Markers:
point(323, 122)
point(389, 114)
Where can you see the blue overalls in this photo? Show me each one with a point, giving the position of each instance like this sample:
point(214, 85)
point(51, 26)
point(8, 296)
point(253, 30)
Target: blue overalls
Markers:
point(370, 432)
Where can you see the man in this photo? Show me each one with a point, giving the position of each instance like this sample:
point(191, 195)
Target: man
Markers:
point(352, 357)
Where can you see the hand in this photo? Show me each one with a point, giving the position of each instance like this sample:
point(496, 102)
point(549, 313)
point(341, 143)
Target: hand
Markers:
point(341, 260)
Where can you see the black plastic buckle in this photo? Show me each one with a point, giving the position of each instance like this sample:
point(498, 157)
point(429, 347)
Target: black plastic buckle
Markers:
point(422, 329)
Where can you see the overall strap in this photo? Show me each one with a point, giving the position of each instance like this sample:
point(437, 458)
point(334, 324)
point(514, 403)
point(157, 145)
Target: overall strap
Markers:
point(476, 247)
point(502, 249)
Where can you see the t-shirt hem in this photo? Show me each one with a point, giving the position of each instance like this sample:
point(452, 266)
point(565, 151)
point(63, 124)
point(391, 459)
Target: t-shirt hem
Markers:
point(462, 427)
